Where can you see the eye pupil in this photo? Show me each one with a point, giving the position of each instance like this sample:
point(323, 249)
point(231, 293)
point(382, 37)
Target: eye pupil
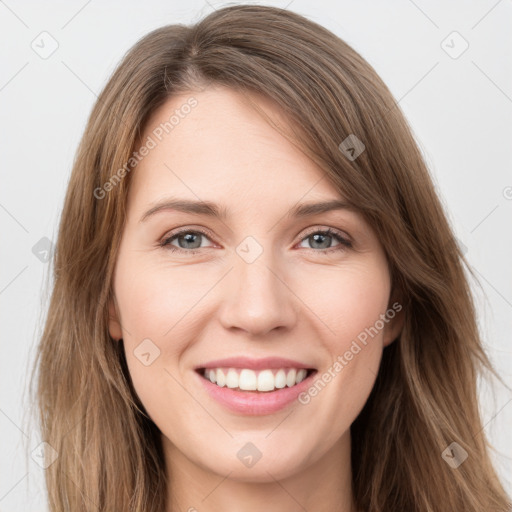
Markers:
point(322, 245)
point(189, 238)
point(190, 241)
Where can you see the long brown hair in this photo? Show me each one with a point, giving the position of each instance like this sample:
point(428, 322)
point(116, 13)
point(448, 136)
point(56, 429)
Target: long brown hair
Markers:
point(425, 397)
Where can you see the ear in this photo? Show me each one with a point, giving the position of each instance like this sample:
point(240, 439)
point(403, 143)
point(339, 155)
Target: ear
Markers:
point(394, 326)
point(114, 324)
point(396, 316)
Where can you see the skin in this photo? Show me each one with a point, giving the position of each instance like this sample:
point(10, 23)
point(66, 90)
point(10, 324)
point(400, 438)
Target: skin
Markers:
point(295, 300)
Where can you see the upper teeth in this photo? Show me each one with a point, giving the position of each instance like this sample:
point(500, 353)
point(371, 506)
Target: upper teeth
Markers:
point(250, 380)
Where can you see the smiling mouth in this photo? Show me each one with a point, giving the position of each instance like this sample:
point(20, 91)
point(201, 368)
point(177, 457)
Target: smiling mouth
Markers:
point(255, 381)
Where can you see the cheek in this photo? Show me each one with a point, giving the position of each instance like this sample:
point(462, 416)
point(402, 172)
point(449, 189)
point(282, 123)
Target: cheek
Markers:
point(154, 303)
point(154, 300)
point(347, 300)
point(171, 305)
point(350, 304)
point(166, 304)
point(162, 303)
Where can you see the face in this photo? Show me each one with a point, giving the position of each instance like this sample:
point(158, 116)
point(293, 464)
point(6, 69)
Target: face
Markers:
point(255, 282)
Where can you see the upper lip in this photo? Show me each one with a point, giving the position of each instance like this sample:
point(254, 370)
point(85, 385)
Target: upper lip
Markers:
point(254, 364)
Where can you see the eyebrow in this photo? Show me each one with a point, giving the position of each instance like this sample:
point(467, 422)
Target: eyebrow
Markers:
point(213, 210)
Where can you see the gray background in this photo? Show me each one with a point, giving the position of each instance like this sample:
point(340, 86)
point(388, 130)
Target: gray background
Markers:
point(459, 106)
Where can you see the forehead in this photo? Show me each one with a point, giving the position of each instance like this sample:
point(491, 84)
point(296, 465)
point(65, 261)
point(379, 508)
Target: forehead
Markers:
point(223, 149)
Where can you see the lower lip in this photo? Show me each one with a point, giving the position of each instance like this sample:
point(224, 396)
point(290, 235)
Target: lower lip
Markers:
point(255, 402)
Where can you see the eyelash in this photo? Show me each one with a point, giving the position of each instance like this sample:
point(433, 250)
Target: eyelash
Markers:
point(343, 242)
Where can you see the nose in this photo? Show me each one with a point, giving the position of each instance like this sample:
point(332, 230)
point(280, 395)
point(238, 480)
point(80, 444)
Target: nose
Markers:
point(257, 298)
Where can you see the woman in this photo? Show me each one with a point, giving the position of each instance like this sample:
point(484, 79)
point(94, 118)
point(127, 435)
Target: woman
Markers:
point(315, 348)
